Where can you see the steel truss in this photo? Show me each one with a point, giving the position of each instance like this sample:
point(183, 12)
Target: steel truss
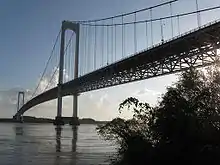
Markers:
point(197, 49)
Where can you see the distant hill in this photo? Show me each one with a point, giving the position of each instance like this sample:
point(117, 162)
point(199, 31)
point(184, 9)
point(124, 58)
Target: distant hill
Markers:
point(90, 121)
point(31, 119)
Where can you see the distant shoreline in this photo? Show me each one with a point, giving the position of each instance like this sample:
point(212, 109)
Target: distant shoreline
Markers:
point(30, 119)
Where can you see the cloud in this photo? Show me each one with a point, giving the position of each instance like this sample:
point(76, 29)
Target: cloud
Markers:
point(8, 98)
point(99, 104)
point(48, 81)
point(146, 92)
point(8, 102)
point(103, 100)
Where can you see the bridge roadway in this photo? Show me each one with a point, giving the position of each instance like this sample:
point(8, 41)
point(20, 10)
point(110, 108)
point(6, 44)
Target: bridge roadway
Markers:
point(195, 48)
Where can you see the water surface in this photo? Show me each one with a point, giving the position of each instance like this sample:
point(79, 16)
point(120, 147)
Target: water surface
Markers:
point(27, 144)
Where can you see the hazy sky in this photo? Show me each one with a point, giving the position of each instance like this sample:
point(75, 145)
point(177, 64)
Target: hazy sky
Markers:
point(27, 33)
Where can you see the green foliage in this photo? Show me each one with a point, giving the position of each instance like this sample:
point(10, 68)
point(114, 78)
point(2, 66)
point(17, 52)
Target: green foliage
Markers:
point(182, 129)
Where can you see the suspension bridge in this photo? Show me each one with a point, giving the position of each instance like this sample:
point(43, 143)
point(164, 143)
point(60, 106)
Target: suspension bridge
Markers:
point(94, 54)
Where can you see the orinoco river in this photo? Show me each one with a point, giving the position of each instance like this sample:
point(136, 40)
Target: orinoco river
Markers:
point(43, 144)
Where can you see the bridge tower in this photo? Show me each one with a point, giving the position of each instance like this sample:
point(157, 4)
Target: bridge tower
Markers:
point(75, 27)
point(20, 98)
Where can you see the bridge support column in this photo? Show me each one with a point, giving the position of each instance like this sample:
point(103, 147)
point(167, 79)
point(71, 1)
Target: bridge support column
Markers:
point(75, 119)
point(17, 118)
point(74, 27)
point(58, 119)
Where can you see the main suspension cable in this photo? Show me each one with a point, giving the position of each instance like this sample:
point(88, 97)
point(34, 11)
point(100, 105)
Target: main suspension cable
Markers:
point(157, 19)
point(56, 69)
point(127, 14)
point(46, 64)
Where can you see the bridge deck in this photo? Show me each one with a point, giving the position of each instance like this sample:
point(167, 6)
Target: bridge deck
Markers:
point(195, 48)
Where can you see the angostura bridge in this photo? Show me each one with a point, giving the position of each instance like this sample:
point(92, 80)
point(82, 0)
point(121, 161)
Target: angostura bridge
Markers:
point(99, 50)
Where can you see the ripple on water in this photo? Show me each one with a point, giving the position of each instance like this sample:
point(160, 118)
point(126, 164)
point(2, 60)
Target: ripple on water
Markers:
point(34, 144)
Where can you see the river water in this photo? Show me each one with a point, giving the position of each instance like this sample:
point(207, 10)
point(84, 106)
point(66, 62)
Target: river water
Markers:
point(43, 144)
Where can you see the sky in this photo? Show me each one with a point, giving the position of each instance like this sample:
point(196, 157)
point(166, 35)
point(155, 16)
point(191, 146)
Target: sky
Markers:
point(27, 34)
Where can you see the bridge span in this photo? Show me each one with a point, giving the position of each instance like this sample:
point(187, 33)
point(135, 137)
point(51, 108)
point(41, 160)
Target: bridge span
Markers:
point(99, 48)
point(196, 48)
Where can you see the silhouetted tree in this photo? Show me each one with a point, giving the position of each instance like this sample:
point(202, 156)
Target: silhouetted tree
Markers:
point(182, 129)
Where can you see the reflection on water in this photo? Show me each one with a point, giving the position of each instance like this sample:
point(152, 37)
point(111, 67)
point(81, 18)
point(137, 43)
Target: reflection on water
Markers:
point(19, 130)
point(74, 140)
point(58, 144)
point(58, 138)
point(45, 144)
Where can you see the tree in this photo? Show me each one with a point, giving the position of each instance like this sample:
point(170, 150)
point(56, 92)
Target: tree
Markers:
point(131, 135)
point(182, 128)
